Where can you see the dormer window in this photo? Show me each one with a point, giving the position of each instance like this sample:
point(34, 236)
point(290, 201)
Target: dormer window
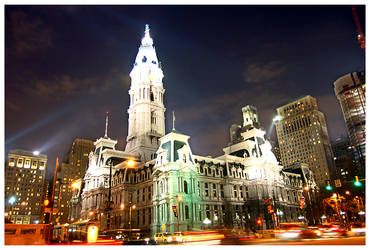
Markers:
point(144, 59)
point(154, 62)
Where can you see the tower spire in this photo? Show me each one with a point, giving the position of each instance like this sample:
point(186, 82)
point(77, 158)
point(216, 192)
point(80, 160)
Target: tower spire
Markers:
point(106, 125)
point(173, 120)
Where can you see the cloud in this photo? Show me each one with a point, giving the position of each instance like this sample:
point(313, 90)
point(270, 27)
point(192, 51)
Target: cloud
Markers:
point(263, 72)
point(24, 35)
point(62, 86)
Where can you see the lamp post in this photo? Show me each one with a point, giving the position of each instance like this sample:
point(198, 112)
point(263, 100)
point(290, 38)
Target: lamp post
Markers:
point(178, 212)
point(132, 207)
point(125, 165)
point(53, 193)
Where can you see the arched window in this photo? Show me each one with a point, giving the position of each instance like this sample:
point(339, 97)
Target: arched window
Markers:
point(186, 212)
point(185, 187)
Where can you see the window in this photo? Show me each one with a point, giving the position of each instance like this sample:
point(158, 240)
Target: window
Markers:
point(185, 187)
point(222, 190)
point(206, 189)
point(34, 165)
point(144, 59)
point(184, 158)
point(186, 212)
point(20, 162)
point(11, 162)
point(235, 192)
point(27, 163)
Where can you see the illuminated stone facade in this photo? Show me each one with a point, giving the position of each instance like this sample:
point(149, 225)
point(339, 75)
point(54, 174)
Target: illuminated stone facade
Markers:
point(229, 190)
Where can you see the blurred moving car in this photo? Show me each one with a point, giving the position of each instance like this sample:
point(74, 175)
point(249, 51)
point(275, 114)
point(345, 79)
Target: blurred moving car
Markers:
point(296, 230)
point(289, 231)
point(197, 236)
point(162, 238)
point(237, 237)
point(332, 230)
point(357, 229)
point(137, 239)
point(181, 237)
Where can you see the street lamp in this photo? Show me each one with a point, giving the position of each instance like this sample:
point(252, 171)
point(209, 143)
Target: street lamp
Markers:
point(11, 201)
point(277, 118)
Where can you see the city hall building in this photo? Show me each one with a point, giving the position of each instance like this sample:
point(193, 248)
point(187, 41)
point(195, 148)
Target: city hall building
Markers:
point(159, 184)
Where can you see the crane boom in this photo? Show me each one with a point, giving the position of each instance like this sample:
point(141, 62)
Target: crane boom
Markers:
point(360, 36)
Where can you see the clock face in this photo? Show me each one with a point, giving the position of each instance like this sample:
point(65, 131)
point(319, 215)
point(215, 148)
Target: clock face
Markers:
point(151, 77)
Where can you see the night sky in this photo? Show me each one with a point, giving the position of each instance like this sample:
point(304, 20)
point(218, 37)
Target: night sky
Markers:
point(65, 66)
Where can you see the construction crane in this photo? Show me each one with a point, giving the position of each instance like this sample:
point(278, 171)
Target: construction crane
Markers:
point(360, 36)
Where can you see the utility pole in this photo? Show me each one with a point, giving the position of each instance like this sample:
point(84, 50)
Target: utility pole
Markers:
point(108, 208)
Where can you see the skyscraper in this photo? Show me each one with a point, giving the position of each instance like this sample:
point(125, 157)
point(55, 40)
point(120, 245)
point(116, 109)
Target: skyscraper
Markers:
point(70, 171)
point(350, 91)
point(303, 137)
point(24, 186)
point(344, 159)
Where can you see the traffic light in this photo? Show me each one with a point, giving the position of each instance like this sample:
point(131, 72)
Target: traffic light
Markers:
point(301, 203)
point(259, 221)
point(328, 186)
point(174, 209)
point(46, 203)
point(357, 182)
point(270, 210)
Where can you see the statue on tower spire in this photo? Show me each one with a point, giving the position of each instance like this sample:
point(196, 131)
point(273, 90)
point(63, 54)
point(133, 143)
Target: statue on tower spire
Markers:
point(147, 40)
point(147, 29)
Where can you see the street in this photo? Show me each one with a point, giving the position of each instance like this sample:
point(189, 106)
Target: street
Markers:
point(319, 241)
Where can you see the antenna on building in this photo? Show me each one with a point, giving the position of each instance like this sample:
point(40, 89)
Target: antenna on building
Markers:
point(106, 125)
point(173, 120)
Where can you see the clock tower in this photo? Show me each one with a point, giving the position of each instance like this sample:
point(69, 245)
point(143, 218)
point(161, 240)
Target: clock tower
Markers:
point(146, 112)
